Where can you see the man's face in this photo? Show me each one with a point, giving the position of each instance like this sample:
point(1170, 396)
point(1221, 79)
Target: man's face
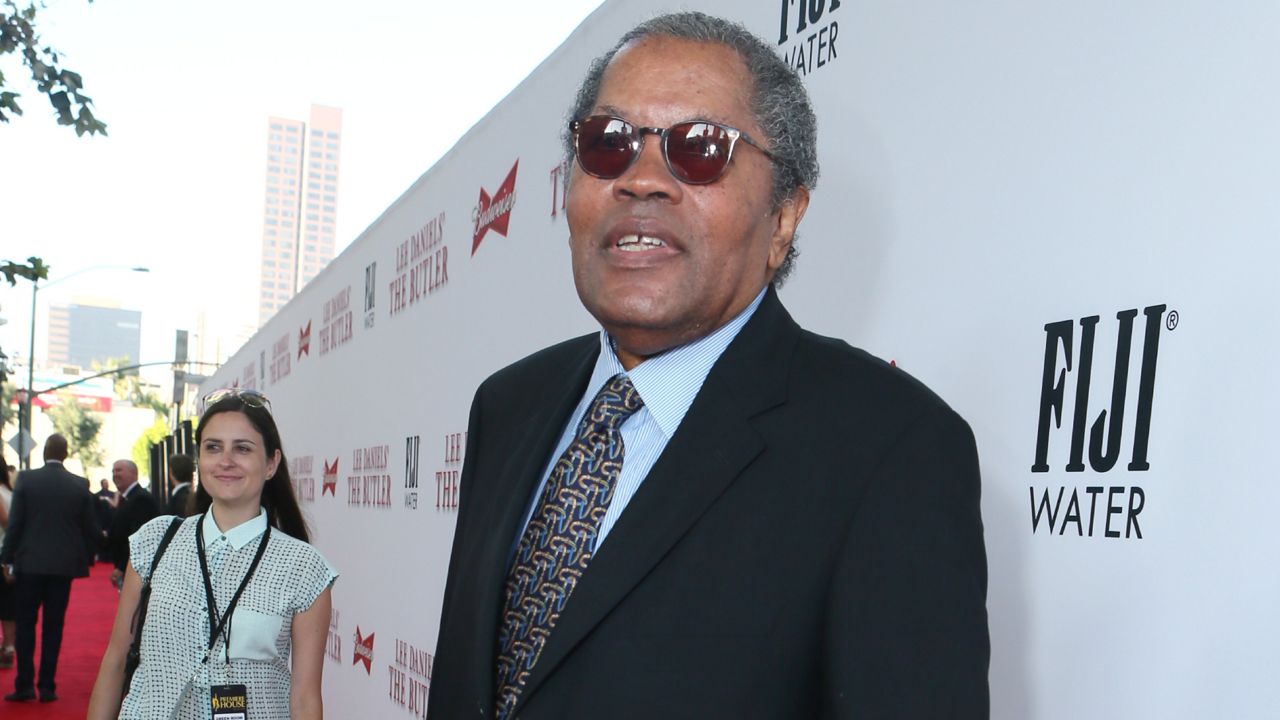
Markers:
point(717, 245)
point(123, 475)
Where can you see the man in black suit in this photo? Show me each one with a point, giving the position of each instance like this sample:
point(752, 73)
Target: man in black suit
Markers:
point(182, 470)
point(49, 542)
point(706, 511)
point(104, 511)
point(134, 507)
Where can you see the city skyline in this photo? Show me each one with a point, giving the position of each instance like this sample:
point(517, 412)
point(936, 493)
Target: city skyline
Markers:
point(176, 186)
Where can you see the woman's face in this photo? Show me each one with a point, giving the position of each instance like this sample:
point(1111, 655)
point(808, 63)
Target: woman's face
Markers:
point(233, 460)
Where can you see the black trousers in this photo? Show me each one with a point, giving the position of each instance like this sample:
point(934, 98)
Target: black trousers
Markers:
point(33, 592)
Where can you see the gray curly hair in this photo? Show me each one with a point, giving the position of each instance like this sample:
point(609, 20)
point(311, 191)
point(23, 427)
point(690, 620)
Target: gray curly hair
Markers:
point(779, 101)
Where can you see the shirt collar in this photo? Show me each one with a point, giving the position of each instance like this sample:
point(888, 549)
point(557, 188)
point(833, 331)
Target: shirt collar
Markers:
point(238, 536)
point(669, 382)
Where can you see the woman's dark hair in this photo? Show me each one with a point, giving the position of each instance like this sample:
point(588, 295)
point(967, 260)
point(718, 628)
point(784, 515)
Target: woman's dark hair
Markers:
point(4, 473)
point(277, 493)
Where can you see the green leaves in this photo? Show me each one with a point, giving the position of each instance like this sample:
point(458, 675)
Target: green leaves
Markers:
point(80, 427)
point(18, 35)
point(34, 270)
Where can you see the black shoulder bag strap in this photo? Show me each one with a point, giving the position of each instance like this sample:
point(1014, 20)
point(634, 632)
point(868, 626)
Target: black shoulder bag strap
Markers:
point(134, 658)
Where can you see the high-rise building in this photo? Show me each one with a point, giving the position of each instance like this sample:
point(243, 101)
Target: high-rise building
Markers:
point(80, 334)
point(300, 205)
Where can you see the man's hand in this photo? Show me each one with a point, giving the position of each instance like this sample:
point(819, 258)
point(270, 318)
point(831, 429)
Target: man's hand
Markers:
point(7, 571)
point(117, 579)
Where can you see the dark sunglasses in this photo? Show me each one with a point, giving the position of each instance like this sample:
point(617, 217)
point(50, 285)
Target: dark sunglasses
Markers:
point(249, 397)
point(696, 151)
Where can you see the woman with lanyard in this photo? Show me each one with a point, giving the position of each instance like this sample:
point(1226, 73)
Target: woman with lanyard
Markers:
point(236, 593)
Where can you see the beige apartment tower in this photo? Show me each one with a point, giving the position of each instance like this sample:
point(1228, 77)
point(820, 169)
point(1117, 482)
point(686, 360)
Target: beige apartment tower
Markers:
point(300, 204)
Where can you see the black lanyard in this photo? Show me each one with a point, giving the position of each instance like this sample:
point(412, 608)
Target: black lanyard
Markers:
point(216, 626)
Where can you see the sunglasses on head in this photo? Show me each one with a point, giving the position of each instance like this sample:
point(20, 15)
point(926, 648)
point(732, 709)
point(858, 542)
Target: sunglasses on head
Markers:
point(249, 397)
point(696, 151)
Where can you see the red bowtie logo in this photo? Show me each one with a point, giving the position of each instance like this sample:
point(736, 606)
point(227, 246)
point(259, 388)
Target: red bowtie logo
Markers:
point(329, 484)
point(364, 651)
point(494, 213)
point(304, 340)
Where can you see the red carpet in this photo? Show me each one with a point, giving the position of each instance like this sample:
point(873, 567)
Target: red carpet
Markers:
point(89, 616)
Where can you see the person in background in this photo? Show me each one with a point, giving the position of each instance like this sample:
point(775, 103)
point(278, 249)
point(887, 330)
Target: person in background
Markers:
point(6, 588)
point(104, 510)
point(247, 539)
point(134, 507)
point(48, 543)
point(181, 473)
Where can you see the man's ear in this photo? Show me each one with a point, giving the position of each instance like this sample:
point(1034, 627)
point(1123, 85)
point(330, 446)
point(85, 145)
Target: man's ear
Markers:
point(790, 213)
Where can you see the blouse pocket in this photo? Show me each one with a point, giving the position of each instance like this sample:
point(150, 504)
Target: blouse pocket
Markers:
point(253, 635)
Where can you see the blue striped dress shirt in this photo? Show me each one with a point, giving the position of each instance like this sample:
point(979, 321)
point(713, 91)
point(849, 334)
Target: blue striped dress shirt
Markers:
point(667, 383)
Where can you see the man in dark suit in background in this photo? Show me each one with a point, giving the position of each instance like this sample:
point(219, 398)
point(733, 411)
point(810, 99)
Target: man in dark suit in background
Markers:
point(104, 511)
point(49, 542)
point(134, 507)
point(181, 472)
point(705, 510)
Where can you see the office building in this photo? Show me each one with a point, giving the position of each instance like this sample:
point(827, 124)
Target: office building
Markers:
point(299, 204)
point(81, 334)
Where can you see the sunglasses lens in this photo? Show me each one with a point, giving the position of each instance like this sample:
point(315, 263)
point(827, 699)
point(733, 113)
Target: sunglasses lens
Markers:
point(253, 398)
point(698, 151)
point(606, 146)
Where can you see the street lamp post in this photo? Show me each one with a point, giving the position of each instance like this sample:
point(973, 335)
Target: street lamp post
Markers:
point(25, 425)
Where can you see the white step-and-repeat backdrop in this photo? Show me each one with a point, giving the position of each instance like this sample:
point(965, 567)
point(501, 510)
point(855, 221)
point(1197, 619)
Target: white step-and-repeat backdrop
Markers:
point(1061, 216)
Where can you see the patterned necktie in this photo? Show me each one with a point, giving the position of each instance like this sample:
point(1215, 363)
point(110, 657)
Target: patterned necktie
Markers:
point(560, 538)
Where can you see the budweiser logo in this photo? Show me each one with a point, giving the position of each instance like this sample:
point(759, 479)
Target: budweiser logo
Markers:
point(304, 340)
point(364, 651)
point(494, 213)
point(329, 484)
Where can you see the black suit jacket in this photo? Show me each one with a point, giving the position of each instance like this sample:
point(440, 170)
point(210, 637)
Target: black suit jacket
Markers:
point(178, 501)
point(51, 523)
point(135, 510)
point(809, 545)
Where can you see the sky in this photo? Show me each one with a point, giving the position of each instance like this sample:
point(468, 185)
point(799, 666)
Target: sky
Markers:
point(186, 90)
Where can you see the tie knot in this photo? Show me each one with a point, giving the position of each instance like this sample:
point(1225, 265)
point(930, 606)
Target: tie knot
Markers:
point(616, 401)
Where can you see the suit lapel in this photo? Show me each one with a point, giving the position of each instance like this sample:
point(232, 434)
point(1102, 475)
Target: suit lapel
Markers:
point(525, 460)
point(693, 471)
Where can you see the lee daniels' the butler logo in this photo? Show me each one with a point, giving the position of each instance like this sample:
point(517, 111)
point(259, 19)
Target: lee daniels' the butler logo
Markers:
point(447, 478)
point(807, 34)
point(281, 359)
point(304, 479)
point(494, 213)
point(370, 486)
point(363, 651)
point(1096, 510)
point(336, 330)
point(410, 678)
point(422, 266)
